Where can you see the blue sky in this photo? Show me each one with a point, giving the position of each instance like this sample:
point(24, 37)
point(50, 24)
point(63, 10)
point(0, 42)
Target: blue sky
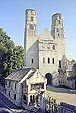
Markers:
point(12, 19)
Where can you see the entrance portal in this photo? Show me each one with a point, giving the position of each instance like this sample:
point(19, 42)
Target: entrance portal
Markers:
point(49, 78)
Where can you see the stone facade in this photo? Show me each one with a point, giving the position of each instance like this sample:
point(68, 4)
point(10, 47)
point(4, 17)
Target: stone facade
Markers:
point(30, 40)
point(45, 51)
point(67, 108)
point(12, 89)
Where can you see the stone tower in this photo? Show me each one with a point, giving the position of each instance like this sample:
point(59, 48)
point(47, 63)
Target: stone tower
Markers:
point(30, 39)
point(57, 31)
point(45, 51)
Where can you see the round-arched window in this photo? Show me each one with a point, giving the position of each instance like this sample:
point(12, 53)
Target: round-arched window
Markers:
point(53, 47)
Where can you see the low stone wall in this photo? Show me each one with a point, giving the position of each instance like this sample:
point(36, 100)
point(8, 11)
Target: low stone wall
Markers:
point(67, 108)
point(61, 90)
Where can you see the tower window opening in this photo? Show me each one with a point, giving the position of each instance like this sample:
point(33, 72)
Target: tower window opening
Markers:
point(32, 61)
point(59, 21)
point(48, 60)
point(59, 63)
point(59, 17)
point(53, 60)
point(53, 47)
point(58, 34)
point(43, 60)
point(32, 18)
point(31, 27)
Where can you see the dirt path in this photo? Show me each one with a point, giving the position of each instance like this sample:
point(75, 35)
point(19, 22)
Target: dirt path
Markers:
point(62, 97)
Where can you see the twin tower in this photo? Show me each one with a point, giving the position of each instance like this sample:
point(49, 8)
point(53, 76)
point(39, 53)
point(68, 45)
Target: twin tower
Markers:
point(45, 51)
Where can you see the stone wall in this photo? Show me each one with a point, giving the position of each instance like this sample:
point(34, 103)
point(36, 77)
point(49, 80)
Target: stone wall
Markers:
point(66, 108)
point(13, 91)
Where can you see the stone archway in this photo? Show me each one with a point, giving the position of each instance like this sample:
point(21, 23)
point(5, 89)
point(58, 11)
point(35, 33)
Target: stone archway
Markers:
point(49, 78)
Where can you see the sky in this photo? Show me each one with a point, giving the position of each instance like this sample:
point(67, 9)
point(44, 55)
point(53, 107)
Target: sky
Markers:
point(12, 19)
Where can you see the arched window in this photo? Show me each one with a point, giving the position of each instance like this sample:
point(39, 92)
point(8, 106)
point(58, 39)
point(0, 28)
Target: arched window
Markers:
point(43, 60)
point(59, 17)
point(59, 21)
point(9, 93)
point(31, 98)
point(53, 60)
point(59, 63)
point(32, 61)
point(53, 47)
point(48, 60)
point(32, 18)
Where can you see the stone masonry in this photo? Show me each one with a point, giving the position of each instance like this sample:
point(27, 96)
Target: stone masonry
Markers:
point(44, 51)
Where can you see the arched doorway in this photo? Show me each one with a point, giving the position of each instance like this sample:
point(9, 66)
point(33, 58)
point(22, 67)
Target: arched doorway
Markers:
point(49, 78)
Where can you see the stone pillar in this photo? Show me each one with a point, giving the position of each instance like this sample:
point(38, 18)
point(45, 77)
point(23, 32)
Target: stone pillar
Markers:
point(19, 94)
point(45, 86)
point(42, 103)
point(28, 93)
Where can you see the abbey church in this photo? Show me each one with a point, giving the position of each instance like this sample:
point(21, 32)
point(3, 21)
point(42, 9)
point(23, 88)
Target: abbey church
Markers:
point(45, 51)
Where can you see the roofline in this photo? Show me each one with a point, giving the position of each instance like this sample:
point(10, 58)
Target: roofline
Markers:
point(56, 14)
point(30, 10)
point(25, 77)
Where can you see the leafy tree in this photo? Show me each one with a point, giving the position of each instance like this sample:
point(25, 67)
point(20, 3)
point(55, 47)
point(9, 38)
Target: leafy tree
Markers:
point(18, 54)
point(11, 56)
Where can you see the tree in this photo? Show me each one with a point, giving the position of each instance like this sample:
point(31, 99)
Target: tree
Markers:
point(11, 56)
point(18, 55)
